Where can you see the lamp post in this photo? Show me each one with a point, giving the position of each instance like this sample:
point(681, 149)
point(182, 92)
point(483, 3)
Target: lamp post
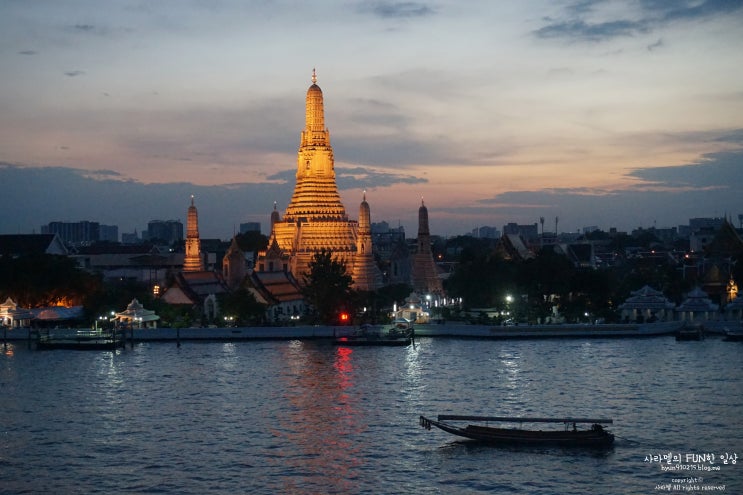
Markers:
point(509, 300)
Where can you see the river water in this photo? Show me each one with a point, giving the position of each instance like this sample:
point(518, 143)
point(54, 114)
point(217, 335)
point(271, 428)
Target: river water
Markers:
point(302, 417)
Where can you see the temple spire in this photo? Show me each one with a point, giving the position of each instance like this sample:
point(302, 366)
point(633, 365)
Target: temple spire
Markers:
point(316, 192)
point(192, 261)
point(315, 115)
point(424, 272)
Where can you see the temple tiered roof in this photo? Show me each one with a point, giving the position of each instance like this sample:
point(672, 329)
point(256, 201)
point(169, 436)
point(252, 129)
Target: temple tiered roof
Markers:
point(315, 218)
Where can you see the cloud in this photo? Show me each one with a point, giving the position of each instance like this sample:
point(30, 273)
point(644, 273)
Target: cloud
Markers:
point(657, 44)
point(581, 30)
point(110, 198)
point(397, 10)
point(721, 170)
point(366, 178)
point(666, 11)
point(74, 73)
point(102, 175)
point(582, 21)
point(355, 178)
point(27, 52)
point(666, 197)
point(88, 28)
point(735, 136)
point(99, 30)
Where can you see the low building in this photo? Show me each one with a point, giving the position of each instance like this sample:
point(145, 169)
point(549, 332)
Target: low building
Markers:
point(281, 293)
point(647, 305)
point(198, 289)
point(697, 307)
point(15, 245)
point(141, 262)
point(13, 316)
point(136, 316)
point(734, 309)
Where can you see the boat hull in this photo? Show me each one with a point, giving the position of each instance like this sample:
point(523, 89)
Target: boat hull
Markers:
point(596, 437)
point(361, 341)
point(79, 339)
point(369, 335)
point(79, 345)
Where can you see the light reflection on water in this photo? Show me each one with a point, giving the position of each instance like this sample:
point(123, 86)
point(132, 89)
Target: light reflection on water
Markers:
point(310, 417)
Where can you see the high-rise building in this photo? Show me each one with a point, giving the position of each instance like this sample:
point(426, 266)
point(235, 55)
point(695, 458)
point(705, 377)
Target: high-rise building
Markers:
point(109, 233)
point(75, 233)
point(316, 219)
point(167, 231)
point(250, 227)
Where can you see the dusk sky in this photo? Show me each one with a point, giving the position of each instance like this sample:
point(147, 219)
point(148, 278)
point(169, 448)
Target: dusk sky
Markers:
point(603, 113)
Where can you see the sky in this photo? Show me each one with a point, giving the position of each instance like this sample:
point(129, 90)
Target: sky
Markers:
point(603, 113)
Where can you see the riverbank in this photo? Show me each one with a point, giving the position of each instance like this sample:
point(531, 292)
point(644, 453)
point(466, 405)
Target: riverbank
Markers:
point(450, 330)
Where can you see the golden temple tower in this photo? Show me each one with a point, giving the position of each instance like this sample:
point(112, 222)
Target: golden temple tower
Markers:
point(193, 262)
point(315, 218)
point(366, 274)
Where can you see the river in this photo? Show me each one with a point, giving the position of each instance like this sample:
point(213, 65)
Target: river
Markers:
point(302, 417)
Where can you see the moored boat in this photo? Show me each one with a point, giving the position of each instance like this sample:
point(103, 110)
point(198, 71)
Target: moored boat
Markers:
point(734, 334)
point(400, 333)
point(79, 339)
point(690, 332)
point(596, 436)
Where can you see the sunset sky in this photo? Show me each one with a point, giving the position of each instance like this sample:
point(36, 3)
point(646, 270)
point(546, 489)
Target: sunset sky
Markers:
point(603, 113)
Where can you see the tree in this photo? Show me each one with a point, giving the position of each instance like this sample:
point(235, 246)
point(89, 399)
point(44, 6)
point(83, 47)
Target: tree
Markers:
point(242, 305)
point(39, 280)
point(252, 241)
point(327, 287)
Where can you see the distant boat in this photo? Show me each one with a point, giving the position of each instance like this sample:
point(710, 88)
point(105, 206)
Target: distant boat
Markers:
point(734, 334)
point(69, 338)
point(570, 436)
point(400, 333)
point(690, 332)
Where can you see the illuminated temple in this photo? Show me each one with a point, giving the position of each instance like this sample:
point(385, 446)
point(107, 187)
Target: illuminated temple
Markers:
point(193, 261)
point(316, 219)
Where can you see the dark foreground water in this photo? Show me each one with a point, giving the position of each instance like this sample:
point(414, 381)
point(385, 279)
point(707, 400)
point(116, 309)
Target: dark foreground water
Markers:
point(309, 417)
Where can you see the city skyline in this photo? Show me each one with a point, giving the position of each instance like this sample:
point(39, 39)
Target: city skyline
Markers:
point(614, 114)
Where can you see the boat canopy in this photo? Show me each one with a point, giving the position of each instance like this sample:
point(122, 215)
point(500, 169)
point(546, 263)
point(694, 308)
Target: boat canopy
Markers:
point(518, 419)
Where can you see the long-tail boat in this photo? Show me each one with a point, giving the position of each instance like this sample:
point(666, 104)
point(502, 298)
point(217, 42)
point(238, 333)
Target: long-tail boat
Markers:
point(569, 436)
point(401, 333)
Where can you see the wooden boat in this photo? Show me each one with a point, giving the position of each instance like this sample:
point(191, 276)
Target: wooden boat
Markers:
point(79, 339)
point(733, 334)
point(400, 333)
point(570, 436)
point(690, 332)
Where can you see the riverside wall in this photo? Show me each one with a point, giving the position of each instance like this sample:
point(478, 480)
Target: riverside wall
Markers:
point(450, 330)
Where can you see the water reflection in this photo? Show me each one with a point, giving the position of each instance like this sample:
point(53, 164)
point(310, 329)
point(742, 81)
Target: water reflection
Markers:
point(415, 385)
point(510, 375)
point(8, 349)
point(317, 439)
